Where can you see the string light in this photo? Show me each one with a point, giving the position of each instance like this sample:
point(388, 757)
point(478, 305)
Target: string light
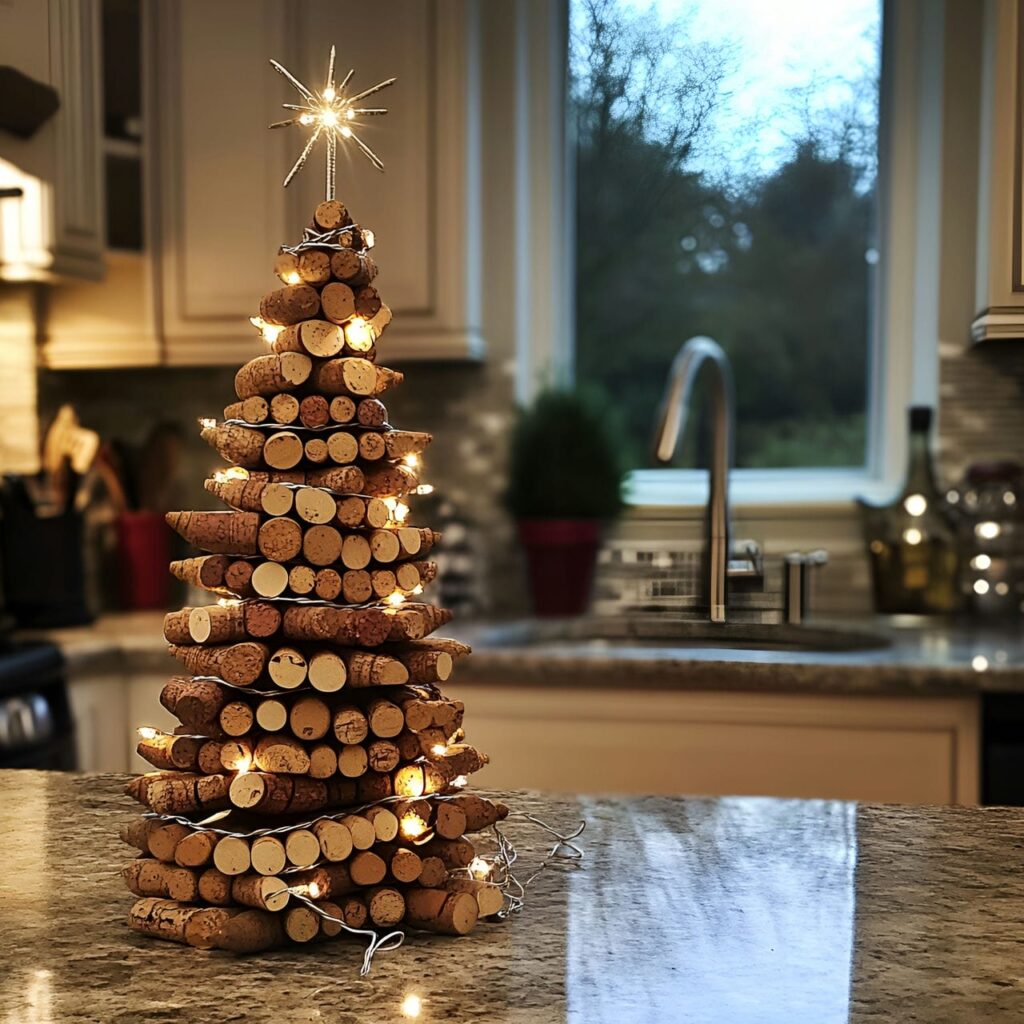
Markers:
point(412, 460)
point(358, 335)
point(207, 422)
point(459, 782)
point(439, 749)
point(479, 868)
point(268, 332)
point(410, 782)
point(412, 1005)
point(368, 238)
point(401, 512)
point(395, 599)
point(418, 589)
point(243, 764)
point(412, 826)
point(314, 890)
point(228, 602)
point(147, 733)
point(222, 476)
point(424, 489)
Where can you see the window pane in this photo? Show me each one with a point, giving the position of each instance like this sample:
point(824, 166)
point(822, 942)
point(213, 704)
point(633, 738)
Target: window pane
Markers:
point(726, 169)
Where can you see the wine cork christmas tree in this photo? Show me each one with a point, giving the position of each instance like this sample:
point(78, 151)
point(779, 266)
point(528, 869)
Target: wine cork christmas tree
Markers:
point(314, 785)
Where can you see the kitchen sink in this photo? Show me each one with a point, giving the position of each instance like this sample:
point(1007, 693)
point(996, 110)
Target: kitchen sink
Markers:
point(669, 632)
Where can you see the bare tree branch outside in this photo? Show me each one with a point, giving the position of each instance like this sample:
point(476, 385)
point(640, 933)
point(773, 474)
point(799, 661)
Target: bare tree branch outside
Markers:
point(699, 215)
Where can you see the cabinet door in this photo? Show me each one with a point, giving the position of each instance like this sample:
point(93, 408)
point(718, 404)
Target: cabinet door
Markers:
point(220, 172)
point(225, 212)
point(55, 229)
point(1000, 244)
point(98, 707)
point(884, 749)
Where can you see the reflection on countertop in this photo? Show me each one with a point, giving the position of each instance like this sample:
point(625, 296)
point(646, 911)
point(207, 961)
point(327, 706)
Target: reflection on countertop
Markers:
point(921, 656)
point(736, 909)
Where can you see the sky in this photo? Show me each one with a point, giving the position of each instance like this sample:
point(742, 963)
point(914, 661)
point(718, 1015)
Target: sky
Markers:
point(782, 49)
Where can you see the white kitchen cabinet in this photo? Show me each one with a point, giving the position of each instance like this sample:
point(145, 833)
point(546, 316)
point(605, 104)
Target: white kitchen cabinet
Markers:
point(100, 712)
point(224, 212)
point(108, 709)
point(870, 748)
point(215, 212)
point(999, 282)
point(55, 229)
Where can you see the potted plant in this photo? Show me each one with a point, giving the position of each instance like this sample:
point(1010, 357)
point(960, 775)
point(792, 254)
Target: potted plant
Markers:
point(565, 484)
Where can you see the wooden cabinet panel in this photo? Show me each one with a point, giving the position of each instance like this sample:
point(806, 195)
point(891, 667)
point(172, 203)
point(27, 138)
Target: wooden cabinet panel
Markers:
point(222, 207)
point(861, 748)
point(224, 212)
point(1000, 243)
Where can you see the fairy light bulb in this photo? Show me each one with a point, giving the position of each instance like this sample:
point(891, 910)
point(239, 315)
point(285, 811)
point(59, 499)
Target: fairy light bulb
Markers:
point(314, 890)
point(207, 422)
point(412, 461)
point(401, 510)
point(410, 782)
point(292, 277)
point(368, 238)
point(358, 335)
point(233, 473)
point(243, 764)
point(329, 93)
point(412, 1005)
point(305, 119)
point(345, 132)
point(228, 602)
point(395, 599)
point(459, 782)
point(439, 749)
point(147, 733)
point(479, 868)
point(412, 826)
point(418, 589)
point(268, 332)
point(329, 118)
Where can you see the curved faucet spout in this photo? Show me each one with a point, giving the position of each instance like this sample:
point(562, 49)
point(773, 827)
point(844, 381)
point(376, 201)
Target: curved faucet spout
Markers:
point(675, 409)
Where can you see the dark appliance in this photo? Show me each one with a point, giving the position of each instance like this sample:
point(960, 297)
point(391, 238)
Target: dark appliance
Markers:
point(36, 728)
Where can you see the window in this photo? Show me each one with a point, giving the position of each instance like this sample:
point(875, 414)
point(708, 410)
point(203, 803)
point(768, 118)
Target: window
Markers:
point(726, 168)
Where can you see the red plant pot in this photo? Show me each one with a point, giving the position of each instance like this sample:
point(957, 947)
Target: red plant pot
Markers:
point(560, 558)
point(143, 541)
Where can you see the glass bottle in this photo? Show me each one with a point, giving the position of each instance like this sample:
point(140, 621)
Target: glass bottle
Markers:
point(912, 541)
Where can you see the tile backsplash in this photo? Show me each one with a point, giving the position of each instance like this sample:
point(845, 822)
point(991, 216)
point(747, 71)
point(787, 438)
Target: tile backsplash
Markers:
point(469, 408)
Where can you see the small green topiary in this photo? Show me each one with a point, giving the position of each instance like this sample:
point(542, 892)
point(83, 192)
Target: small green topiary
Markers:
point(564, 461)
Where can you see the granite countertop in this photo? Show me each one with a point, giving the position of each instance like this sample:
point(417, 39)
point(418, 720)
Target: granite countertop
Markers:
point(733, 910)
point(921, 658)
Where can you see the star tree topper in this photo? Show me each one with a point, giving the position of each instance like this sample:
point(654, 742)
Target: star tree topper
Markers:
point(331, 113)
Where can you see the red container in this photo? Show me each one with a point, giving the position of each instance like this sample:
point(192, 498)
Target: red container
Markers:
point(560, 557)
point(144, 549)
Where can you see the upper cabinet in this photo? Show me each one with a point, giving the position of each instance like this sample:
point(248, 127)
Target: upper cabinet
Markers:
point(1000, 245)
point(208, 185)
point(51, 223)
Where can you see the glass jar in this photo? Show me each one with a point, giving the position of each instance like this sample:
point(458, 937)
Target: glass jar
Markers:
point(989, 504)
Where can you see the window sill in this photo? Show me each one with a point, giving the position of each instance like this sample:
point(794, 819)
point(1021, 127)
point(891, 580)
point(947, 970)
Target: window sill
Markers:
point(789, 493)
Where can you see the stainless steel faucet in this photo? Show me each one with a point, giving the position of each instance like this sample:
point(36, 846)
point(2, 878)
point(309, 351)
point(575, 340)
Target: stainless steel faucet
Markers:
point(675, 409)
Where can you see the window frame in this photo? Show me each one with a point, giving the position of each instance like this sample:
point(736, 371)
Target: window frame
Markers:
point(904, 348)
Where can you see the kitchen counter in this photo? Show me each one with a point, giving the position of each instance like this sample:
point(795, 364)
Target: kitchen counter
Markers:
point(928, 658)
point(733, 909)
